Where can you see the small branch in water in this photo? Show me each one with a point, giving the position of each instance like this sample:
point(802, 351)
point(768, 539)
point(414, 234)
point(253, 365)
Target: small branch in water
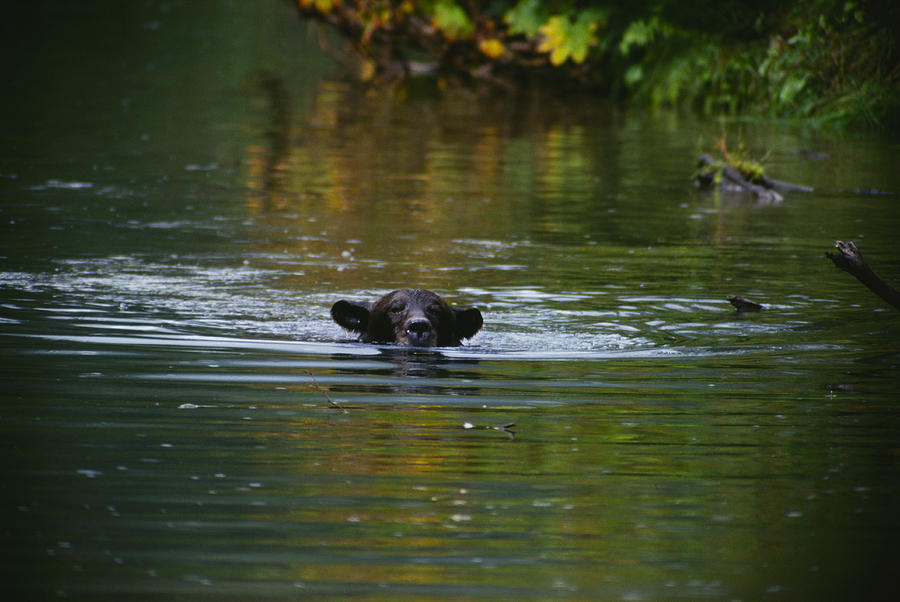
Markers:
point(506, 428)
point(849, 259)
point(744, 304)
point(325, 393)
point(503, 428)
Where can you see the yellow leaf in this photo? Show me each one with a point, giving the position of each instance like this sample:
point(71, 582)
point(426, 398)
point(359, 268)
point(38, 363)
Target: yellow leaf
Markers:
point(559, 56)
point(564, 39)
point(492, 48)
point(323, 6)
point(553, 34)
point(367, 70)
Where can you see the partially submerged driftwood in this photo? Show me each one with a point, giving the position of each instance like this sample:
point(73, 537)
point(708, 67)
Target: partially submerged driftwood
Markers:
point(764, 189)
point(743, 304)
point(849, 259)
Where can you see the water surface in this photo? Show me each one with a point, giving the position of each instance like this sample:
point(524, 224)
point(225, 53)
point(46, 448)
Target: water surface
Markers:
point(182, 419)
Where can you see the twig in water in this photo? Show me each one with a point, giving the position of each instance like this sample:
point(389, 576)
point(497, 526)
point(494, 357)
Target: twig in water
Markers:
point(506, 428)
point(325, 393)
point(503, 428)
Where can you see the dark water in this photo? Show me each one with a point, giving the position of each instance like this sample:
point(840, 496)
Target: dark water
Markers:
point(183, 195)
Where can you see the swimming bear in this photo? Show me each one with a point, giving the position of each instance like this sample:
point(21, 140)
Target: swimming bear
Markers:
point(414, 317)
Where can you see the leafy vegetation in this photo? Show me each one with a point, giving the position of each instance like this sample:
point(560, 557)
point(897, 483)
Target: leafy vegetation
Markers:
point(836, 61)
point(709, 174)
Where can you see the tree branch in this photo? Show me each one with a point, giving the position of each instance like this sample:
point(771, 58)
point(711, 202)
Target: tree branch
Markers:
point(849, 259)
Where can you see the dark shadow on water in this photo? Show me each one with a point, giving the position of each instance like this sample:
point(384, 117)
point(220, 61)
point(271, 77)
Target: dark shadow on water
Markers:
point(411, 371)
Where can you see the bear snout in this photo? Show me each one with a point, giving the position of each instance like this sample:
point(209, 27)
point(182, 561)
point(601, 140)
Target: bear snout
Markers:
point(419, 332)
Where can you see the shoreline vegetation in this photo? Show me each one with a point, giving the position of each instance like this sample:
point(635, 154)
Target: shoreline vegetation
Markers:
point(831, 62)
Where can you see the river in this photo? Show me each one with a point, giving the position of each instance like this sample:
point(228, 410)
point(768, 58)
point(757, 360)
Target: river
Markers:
point(187, 187)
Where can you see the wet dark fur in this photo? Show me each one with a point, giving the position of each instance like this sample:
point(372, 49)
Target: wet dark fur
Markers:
point(412, 317)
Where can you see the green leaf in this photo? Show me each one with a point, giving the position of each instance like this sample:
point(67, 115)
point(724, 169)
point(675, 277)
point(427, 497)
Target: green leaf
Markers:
point(451, 19)
point(633, 75)
point(581, 36)
point(641, 33)
point(526, 17)
point(792, 86)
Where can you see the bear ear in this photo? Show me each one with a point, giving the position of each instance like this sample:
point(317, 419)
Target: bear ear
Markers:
point(468, 322)
point(352, 315)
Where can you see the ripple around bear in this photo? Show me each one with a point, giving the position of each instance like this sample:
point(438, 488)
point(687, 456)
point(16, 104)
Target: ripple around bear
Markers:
point(414, 317)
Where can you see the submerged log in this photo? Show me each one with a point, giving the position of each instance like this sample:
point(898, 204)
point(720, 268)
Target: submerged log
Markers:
point(762, 193)
point(783, 187)
point(766, 190)
point(849, 259)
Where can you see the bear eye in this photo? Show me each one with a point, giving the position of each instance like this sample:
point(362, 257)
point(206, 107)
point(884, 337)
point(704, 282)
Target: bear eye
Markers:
point(434, 308)
point(397, 308)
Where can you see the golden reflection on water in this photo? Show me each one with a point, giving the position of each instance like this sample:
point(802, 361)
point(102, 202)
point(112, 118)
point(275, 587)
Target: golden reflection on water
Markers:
point(364, 164)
